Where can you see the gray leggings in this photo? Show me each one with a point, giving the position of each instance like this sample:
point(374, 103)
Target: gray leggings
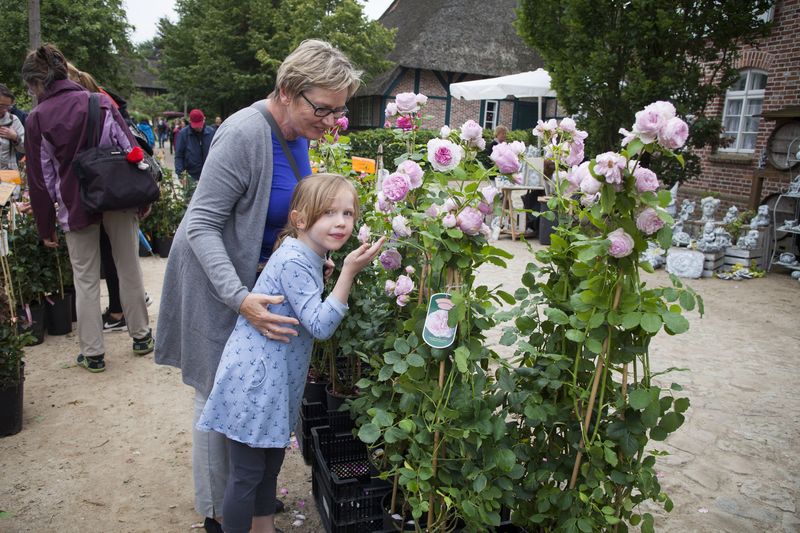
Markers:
point(251, 485)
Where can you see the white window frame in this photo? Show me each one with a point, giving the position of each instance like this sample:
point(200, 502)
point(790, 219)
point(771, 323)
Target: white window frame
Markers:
point(767, 15)
point(744, 95)
point(490, 124)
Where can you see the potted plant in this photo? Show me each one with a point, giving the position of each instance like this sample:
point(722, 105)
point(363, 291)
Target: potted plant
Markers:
point(430, 403)
point(167, 212)
point(583, 395)
point(59, 299)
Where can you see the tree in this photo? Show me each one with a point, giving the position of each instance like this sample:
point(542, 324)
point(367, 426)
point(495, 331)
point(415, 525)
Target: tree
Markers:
point(223, 55)
point(609, 58)
point(92, 34)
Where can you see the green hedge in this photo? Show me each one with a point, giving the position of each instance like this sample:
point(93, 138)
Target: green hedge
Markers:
point(364, 143)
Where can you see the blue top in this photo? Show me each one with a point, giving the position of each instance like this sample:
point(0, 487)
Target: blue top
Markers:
point(259, 382)
point(283, 184)
point(148, 132)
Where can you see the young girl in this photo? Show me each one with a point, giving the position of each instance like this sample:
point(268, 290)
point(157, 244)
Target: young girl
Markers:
point(259, 382)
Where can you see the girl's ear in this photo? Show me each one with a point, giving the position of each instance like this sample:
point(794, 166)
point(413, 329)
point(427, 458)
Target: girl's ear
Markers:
point(297, 219)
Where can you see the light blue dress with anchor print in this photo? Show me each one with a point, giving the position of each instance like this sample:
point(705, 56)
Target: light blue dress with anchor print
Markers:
point(259, 382)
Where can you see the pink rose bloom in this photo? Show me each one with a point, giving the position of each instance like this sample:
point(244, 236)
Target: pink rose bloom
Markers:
point(575, 156)
point(568, 125)
point(674, 133)
point(518, 147)
point(396, 186)
point(400, 226)
point(432, 211)
point(648, 124)
point(646, 179)
point(484, 208)
point(390, 259)
point(471, 132)
point(574, 177)
point(391, 109)
point(444, 155)
point(387, 124)
point(469, 220)
point(610, 165)
point(403, 300)
point(404, 285)
point(413, 171)
point(629, 136)
point(421, 99)
point(444, 133)
point(449, 221)
point(406, 103)
point(543, 128)
point(404, 123)
point(517, 178)
point(486, 231)
point(489, 192)
point(388, 288)
point(664, 109)
point(589, 185)
point(437, 324)
point(481, 144)
point(648, 221)
point(449, 205)
point(621, 243)
point(410, 270)
point(342, 123)
point(505, 158)
point(589, 200)
point(384, 205)
point(363, 234)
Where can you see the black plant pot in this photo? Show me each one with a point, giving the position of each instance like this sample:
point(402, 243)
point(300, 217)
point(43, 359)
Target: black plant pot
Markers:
point(143, 252)
point(74, 301)
point(11, 402)
point(163, 245)
point(37, 327)
point(314, 392)
point(334, 400)
point(391, 522)
point(59, 315)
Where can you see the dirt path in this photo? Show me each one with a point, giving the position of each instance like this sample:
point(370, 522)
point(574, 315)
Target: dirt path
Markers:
point(111, 452)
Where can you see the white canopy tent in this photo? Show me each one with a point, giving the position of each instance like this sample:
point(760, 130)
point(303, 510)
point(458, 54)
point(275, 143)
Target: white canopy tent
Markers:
point(522, 85)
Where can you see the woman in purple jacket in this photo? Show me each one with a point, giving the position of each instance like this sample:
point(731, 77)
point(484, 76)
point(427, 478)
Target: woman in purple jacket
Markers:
point(56, 134)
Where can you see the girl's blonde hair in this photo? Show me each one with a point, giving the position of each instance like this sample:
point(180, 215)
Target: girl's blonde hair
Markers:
point(82, 78)
point(312, 197)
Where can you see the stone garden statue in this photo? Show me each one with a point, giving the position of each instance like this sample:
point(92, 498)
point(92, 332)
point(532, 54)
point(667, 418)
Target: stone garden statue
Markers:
point(672, 207)
point(722, 238)
point(708, 241)
point(761, 218)
point(654, 255)
point(687, 208)
point(748, 241)
point(731, 215)
point(709, 205)
point(680, 237)
point(794, 186)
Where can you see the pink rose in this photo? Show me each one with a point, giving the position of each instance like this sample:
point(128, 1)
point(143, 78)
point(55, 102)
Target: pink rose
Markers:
point(471, 132)
point(406, 103)
point(449, 205)
point(568, 125)
point(469, 220)
point(518, 147)
point(384, 205)
point(484, 208)
point(400, 226)
point(489, 192)
point(449, 221)
point(437, 323)
point(648, 123)
point(505, 158)
point(421, 99)
point(403, 300)
point(404, 285)
point(342, 123)
point(444, 155)
point(395, 186)
point(575, 156)
point(391, 109)
point(363, 234)
point(589, 185)
point(432, 211)
point(410, 270)
point(542, 129)
point(390, 259)
point(621, 243)
point(648, 221)
point(610, 165)
point(387, 124)
point(674, 133)
point(646, 179)
point(664, 109)
point(404, 123)
point(486, 231)
point(413, 171)
point(444, 133)
point(388, 287)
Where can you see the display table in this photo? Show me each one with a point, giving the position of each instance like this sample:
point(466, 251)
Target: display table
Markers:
point(508, 208)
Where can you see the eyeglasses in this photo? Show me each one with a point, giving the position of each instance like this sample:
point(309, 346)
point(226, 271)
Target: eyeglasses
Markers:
point(321, 112)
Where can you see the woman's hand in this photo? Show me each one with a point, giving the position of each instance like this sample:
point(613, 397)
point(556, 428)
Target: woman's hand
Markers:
point(255, 309)
point(362, 256)
point(9, 133)
point(52, 242)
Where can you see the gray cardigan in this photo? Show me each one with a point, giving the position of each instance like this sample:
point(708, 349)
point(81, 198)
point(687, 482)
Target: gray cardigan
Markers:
point(213, 261)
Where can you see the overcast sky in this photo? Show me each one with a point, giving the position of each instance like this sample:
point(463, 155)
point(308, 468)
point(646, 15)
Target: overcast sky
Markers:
point(144, 14)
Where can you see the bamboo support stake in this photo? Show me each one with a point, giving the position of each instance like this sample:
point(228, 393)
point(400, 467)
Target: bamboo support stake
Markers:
point(393, 507)
point(593, 393)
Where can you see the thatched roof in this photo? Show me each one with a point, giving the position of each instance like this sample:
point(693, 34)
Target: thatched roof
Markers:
point(145, 75)
point(467, 36)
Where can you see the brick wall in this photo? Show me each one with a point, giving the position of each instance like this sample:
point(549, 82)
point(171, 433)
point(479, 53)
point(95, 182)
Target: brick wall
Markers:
point(731, 175)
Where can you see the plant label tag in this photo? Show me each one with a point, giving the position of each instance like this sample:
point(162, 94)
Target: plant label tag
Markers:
point(437, 333)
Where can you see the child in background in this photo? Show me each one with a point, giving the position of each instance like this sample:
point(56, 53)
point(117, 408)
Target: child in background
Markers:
point(259, 382)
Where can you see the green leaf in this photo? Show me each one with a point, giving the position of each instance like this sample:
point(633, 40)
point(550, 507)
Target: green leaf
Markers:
point(455, 233)
point(658, 433)
point(385, 373)
point(415, 360)
point(671, 421)
point(381, 418)
point(407, 425)
point(402, 347)
point(506, 297)
point(574, 335)
point(585, 525)
point(369, 433)
point(681, 405)
point(634, 147)
point(556, 315)
point(687, 300)
point(593, 345)
point(650, 322)
point(610, 456)
point(506, 459)
point(631, 320)
point(479, 484)
point(675, 322)
point(461, 356)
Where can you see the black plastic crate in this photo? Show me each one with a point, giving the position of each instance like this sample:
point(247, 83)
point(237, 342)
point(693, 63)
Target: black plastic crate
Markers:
point(315, 414)
point(347, 493)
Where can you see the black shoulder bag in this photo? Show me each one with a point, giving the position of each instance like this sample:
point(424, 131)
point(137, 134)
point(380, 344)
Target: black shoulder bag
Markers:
point(108, 182)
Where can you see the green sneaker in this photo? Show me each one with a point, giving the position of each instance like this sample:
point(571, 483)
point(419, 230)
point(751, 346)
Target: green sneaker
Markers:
point(144, 345)
point(92, 363)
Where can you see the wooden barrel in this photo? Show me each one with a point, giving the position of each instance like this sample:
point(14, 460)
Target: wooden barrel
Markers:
point(784, 145)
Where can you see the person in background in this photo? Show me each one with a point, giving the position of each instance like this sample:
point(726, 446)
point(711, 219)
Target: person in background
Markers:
point(145, 127)
point(500, 133)
point(193, 145)
point(12, 132)
point(217, 123)
point(173, 136)
point(57, 132)
point(161, 129)
point(240, 206)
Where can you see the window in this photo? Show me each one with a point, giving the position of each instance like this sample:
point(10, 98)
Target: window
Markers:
point(743, 100)
point(490, 114)
point(767, 15)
